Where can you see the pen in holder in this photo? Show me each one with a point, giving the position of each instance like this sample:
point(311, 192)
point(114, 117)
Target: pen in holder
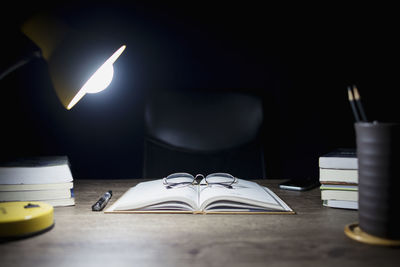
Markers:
point(378, 153)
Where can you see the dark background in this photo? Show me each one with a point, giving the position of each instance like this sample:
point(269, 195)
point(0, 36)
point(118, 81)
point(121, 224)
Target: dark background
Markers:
point(299, 59)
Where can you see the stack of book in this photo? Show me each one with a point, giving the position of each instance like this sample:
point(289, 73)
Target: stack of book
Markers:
point(47, 179)
point(338, 175)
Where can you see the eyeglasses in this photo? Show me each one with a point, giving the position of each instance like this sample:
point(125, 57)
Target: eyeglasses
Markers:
point(182, 179)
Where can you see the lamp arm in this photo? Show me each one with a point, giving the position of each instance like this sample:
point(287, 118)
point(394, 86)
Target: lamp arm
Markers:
point(21, 62)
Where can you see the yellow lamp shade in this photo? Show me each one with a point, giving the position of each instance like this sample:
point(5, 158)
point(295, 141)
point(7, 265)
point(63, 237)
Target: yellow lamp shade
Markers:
point(78, 63)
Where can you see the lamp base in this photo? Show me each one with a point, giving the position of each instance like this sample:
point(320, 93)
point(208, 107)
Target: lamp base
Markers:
point(22, 219)
point(354, 232)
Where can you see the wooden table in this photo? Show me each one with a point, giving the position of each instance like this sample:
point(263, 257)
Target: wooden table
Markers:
point(312, 237)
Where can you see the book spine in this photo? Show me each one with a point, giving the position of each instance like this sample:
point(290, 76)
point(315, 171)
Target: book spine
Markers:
point(338, 163)
point(336, 175)
point(339, 195)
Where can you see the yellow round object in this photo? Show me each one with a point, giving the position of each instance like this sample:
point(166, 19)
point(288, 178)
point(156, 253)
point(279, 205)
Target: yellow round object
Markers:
point(24, 218)
point(354, 232)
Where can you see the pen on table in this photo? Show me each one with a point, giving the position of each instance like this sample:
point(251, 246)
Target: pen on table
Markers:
point(102, 202)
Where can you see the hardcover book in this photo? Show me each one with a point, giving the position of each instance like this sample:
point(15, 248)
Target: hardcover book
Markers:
point(47, 179)
point(349, 195)
point(341, 204)
point(36, 170)
point(243, 197)
point(36, 195)
point(337, 175)
point(342, 158)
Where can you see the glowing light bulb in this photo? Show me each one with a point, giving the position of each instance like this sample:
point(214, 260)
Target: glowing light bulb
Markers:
point(100, 80)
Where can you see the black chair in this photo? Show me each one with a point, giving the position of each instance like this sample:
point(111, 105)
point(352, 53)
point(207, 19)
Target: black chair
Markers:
point(202, 131)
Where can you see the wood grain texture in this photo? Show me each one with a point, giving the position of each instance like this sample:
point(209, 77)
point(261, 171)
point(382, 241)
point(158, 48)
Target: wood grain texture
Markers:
point(314, 236)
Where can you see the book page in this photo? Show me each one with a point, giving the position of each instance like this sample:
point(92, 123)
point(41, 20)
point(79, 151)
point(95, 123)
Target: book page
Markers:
point(153, 195)
point(244, 195)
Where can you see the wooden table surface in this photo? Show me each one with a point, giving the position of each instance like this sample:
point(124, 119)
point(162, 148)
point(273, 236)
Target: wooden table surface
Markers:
point(80, 237)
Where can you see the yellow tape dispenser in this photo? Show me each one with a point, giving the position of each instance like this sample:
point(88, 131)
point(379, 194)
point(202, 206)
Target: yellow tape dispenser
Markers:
point(22, 218)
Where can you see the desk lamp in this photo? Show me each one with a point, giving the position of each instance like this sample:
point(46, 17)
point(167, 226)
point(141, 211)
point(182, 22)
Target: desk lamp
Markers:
point(78, 63)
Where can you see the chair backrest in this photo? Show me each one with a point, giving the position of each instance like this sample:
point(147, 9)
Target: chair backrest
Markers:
point(214, 128)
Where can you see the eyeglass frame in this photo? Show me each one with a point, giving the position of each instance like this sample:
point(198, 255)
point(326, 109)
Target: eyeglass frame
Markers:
point(170, 185)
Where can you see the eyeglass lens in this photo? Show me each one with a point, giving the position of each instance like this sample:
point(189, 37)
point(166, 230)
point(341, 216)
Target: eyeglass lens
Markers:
point(179, 178)
point(220, 178)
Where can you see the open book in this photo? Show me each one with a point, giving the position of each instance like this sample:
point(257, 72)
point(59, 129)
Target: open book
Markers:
point(244, 197)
